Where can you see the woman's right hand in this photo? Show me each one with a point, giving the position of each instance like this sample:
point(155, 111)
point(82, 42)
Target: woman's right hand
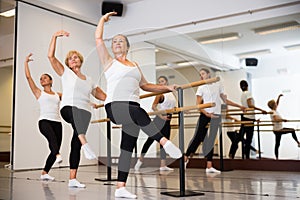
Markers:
point(107, 15)
point(61, 33)
point(28, 59)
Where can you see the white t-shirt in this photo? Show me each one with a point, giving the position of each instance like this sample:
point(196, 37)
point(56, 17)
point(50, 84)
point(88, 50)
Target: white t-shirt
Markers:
point(49, 106)
point(76, 92)
point(210, 93)
point(123, 83)
point(277, 125)
point(169, 101)
point(244, 98)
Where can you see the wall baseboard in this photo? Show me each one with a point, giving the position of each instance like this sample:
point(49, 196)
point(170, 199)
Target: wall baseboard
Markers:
point(4, 156)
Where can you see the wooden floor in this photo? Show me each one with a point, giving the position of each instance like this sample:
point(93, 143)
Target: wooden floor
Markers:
point(149, 183)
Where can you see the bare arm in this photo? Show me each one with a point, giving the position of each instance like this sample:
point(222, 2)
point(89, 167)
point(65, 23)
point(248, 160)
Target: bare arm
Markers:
point(278, 98)
point(251, 105)
point(150, 87)
point(103, 53)
point(55, 63)
point(231, 103)
point(99, 94)
point(35, 90)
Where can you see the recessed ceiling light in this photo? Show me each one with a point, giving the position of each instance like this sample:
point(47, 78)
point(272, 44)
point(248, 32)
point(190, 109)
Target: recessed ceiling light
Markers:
point(292, 47)
point(253, 53)
point(219, 38)
point(277, 28)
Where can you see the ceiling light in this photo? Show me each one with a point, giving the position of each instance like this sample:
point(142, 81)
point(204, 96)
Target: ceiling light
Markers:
point(253, 53)
point(292, 47)
point(186, 64)
point(277, 28)
point(219, 38)
point(8, 13)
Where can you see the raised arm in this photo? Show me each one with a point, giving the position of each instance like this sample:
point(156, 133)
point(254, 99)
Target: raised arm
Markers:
point(55, 63)
point(105, 57)
point(35, 90)
point(278, 99)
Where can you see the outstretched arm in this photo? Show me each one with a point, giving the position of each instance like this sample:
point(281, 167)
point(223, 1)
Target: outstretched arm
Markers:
point(251, 105)
point(99, 94)
point(231, 103)
point(35, 90)
point(55, 63)
point(103, 53)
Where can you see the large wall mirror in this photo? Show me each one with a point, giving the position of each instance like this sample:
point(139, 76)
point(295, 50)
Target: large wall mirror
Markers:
point(274, 43)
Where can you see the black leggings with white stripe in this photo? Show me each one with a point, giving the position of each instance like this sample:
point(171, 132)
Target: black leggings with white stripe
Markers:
point(52, 131)
point(132, 118)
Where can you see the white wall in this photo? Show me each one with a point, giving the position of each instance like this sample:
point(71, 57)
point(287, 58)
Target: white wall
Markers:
point(35, 28)
point(267, 89)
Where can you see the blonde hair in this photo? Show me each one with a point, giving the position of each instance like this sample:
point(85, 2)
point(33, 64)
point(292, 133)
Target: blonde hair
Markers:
point(70, 54)
point(271, 104)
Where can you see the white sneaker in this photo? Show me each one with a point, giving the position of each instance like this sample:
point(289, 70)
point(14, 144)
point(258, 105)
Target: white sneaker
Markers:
point(75, 183)
point(165, 168)
point(47, 177)
point(185, 163)
point(212, 170)
point(88, 153)
point(123, 193)
point(58, 159)
point(172, 150)
point(138, 165)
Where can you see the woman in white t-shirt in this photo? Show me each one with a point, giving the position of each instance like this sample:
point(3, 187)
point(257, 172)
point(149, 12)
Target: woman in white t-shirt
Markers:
point(75, 105)
point(278, 129)
point(208, 93)
point(163, 102)
point(49, 120)
point(124, 79)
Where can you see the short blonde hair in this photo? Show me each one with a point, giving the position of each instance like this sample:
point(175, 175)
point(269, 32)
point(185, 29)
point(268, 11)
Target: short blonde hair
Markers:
point(271, 104)
point(70, 54)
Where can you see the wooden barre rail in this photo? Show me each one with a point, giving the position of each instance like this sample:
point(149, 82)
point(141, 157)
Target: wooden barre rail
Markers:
point(255, 113)
point(177, 110)
point(173, 110)
point(184, 86)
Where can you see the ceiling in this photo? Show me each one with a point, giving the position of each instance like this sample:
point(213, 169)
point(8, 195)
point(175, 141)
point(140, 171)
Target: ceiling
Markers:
point(248, 42)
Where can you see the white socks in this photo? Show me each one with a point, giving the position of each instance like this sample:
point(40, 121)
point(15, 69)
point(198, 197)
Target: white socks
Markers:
point(212, 170)
point(138, 165)
point(88, 152)
point(75, 183)
point(58, 159)
point(165, 168)
point(123, 193)
point(47, 177)
point(172, 150)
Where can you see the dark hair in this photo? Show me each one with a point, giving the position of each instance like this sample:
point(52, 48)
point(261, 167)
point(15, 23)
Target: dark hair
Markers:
point(48, 76)
point(243, 85)
point(204, 69)
point(164, 77)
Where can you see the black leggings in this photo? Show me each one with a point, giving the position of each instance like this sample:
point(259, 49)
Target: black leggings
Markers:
point(52, 131)
point(79, 119)
point(133, 118)
point(200, 135)
point(278, 135)
point(165, 129)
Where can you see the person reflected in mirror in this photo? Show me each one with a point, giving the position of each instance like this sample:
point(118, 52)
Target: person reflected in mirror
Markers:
point(278, 128)
point(49, 120)
point(162, 122)
point(208, 93)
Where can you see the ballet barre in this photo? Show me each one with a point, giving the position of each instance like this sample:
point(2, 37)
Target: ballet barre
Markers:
point(184, 86)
